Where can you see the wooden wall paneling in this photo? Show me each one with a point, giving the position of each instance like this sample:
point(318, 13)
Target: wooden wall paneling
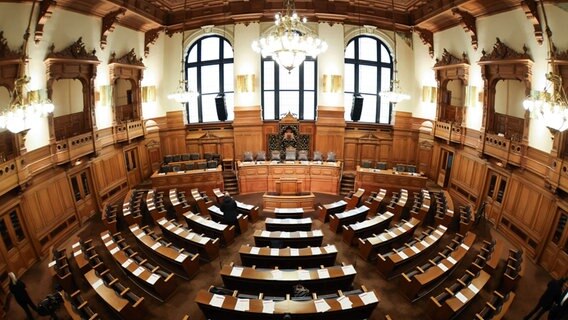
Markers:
point(109, 176)
point(248, 131)
point(350, 154)
point(468, 176)
point(172, 137)
point(145, 165)
point(472, 138)
point(425, 152)
point(330, 134)
point(435, 163)
point(554, 256)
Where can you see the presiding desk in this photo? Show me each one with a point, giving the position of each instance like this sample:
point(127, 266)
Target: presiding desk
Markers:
point(202, 179)
point(375, 179)
point(312, 176)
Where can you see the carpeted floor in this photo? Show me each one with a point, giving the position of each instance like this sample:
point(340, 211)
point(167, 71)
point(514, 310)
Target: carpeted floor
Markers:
point(392, 302)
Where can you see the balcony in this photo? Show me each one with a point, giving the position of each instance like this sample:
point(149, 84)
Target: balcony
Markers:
point(8, 176)
point(503, 148)
point(73, 148)
point(449, 131)
point(128, 130)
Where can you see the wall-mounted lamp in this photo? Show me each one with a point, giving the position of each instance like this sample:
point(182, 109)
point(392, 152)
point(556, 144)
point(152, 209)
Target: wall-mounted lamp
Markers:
point(103, 95)
point(429, 94)
point(331, 83)
point(148, 94)
point(245, 83)
point(473, 96)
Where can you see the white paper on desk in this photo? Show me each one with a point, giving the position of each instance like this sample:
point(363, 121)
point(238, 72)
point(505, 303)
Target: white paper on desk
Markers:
point(161, 222)
point(108, 243)
point(242, 304)
point(443, 267)
point(75, 245)
point(217, 300)
point(402, 255)
point(294, 251)
point(425, 244)
point(203, 240)
point(401, 229)
point(304, 275)
point(153, 278)
point(178, 231)
point(392, 234)
point(330, 249)
point(464, 246)
point(317, 233)
point(304, 234)
point(473, 288)
point(78, 253)
point(156, 246)
point(368, 297)
point(136, 227)
point(268, 306)
point(285, 234)
point(274, 252)
point(348, 269)
point(115, 250)
point(190, 236)
point(170, 227)
point(276, 274)
point(97, 284)
point(440, 233)
point(51, 264)
point(140, 235)
point(181, 257)
point(265, 234)
point(316, 250)
point(344, 302)
point(409, 225)
point(321, 305)
point(431, 237)
point(254, 250)
point(138, 271)
point(237, 271)
point(461, 297)
point(413, 248)
point(382, 237)
point(105, 236)
point(452, 260)
point(126, 263)
point(323, 273)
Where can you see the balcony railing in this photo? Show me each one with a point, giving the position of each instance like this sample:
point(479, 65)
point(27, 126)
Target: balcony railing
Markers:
point(73, 148)
point(129, 130)
point(503, 148)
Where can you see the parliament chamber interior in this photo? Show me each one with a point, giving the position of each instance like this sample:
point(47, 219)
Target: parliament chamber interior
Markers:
point(239, 159)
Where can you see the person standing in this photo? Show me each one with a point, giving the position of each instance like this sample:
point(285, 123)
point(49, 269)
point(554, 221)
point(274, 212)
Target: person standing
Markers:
point(547, 300)
point(18, 290)
point(559, 310)
point(229, 208)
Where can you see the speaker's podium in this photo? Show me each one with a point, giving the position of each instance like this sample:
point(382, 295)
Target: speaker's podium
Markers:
point(288, 195)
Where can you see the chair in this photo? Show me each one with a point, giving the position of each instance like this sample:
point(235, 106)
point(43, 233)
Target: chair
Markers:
point(212, 164)
point(303, 155)
point(202, 165)
point(318, 156)
point(189, 166)
point(275, 155)
point(165, 169)
point(208, 156)
point(185, 157)
point(411, 169)
point(400, 167)
point(290, 154)
point(366, 164)
point(216, 157)
point(168, 159)
point(381, 165)
point(247, 157)
point(176, 158)
point(194, 156)
point(261, 156)
point(331, 156)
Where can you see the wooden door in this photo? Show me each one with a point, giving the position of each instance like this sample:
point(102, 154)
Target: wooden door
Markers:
point(494, 194)
point(555, 256)
point(14, 242)
point(132, 167)
point(81, 184)
point(444, 172)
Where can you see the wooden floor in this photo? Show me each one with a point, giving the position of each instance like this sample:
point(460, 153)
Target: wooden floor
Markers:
point(392, 302)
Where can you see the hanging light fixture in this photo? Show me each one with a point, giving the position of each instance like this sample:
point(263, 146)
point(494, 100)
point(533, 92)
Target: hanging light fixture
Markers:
point(395, 95)
point(25, 107)
point(183, 94)
point(290, 40)
point(550, 105)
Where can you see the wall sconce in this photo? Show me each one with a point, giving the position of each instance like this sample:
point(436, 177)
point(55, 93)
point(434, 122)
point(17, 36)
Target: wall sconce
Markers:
point(245, 83)
point(103, 96)
point(473, 96)
point(331, 83)
point(429, 94)
point(148, 94)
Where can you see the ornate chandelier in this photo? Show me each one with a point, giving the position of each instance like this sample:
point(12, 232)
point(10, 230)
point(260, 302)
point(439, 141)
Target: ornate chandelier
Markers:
point(25, 107)
point(289, 41)
point(182, 94)
point(395, 95)
point(550, 105)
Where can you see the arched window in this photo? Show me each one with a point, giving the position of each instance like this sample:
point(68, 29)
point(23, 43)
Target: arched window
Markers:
point(284, 91)
point(368, 71)
point(209, 70)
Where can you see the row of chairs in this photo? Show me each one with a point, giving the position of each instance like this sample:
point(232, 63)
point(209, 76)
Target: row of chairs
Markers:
point(289, 155)
point(191, 157)
point(211, 164)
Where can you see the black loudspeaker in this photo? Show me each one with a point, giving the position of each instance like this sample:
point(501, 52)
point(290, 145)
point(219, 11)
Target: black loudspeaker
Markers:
point(221, 107)
point(356, 107)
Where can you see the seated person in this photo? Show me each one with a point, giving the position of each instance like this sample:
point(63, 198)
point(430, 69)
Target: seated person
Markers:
point(229, 209)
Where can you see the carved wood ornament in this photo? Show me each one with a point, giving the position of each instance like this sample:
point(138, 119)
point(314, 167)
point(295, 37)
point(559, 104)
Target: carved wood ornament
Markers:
point(108, 24)
point(150, 37)
point(10, 63)
point(45, 11)
point(531, 11)
point(449, 68)
point(427, 38)
point(467, 22)
point(128, 67)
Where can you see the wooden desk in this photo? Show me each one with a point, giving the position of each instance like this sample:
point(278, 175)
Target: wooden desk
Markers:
point(217, 215)
point(155, 205)
point(314, 176)
point(59, 269)
point(447, 216)
point(354, 199)
point(247, 209)
point(203, 179)
point(421, 209)
point(337, 220)
point(279, 282)
point(210, 228)
point(288, 224)
point(208, 248)
point(367, 228)
point(375, 202)
point(374, 179)
point(289, 213)
point(296, 239)
point(327, 209)
point(288, 186)
point(288, 258)
point(271, 201)
point(368, 247)
point(77, 308)
point(360, 309)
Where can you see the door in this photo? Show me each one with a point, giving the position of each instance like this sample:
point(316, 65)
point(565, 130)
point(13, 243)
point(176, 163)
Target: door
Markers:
point(81, 184)
point(444, 173)
point(555, 256)
point(494, 194)
point(14, 242)
point(132, 167)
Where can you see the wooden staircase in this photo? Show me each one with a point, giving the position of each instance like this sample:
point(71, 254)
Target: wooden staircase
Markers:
point(229, 177)
point(347, 183)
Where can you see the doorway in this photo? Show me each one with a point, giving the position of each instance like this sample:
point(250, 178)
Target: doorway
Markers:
point(445, 170)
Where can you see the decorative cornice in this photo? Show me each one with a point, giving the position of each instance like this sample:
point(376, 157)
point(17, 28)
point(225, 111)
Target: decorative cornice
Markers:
point(150, 37)
point(467, 22)
point(74, 51)
point(130, 58)
point(503, 52)
point(427, 38)
point(5, 51)
point(531, 11)
point(45, 11)
point(108, 24)
point(449, 59)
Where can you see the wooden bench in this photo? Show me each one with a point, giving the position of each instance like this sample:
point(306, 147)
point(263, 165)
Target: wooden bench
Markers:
point(247, 209)
point(422, 209)
point(496, 308)
point(375, 201)
point(369, 247)
point(109, 217)
point(364, 229)
point(85, 256)
point(354, 198)
point(132, 207)
point(76, 307)
point(218, 216)
point(289, 224)
point(283, 239)
point(288, 258)
point(210, 228)
point(202, 200)
point(208, 248)
point(513, 271)
point(398, 204)
point(155, 205)
point(294, 213)
point(338, 220)
point(178, 202)
point(59, 269)
point(326, 209)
